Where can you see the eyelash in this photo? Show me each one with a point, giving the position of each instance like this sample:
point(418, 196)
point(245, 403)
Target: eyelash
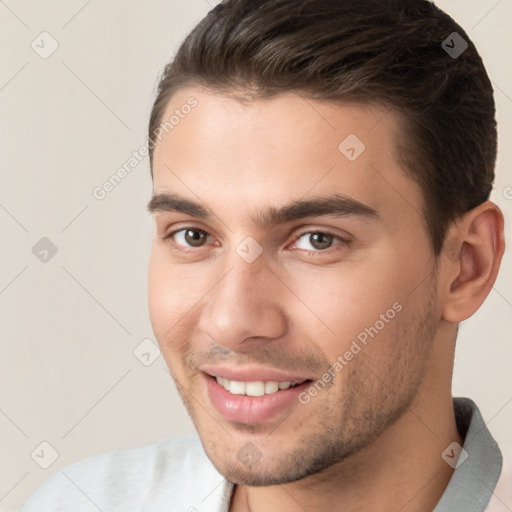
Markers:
point(188, 250)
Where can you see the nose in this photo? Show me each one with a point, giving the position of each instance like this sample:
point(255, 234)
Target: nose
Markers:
point(245, 307)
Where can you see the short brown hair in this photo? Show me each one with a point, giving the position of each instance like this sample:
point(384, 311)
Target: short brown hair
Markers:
point(391, 52)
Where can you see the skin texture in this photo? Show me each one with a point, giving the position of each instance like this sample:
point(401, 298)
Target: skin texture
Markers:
point(372, 439)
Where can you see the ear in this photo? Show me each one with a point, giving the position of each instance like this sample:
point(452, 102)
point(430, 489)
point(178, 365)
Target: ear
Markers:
point(471, 258)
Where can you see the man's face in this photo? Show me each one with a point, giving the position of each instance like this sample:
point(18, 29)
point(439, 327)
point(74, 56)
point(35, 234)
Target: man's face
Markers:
point(338, 297)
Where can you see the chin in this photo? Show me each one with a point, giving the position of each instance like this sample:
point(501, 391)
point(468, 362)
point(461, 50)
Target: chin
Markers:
point(248, 466)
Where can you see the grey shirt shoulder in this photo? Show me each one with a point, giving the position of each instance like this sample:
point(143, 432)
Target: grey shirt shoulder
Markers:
point(479, 464)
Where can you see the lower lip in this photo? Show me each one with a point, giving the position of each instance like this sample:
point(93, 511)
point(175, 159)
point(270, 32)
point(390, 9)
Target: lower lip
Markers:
point(252, 409)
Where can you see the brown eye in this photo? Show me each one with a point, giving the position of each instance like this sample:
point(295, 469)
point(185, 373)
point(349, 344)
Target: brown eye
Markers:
point(316, 241)
point(321, 240)
point(195, 237)
point(189, 237)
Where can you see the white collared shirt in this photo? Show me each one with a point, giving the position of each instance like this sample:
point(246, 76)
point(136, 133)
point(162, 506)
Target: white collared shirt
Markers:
point(176, 475)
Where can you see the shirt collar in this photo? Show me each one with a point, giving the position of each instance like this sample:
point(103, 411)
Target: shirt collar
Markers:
point(474, 480)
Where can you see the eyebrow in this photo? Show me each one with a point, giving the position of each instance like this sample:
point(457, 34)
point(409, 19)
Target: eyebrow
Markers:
point(334, 205)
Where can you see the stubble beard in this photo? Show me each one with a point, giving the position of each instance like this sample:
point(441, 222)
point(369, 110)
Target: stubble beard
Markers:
point(347, 421)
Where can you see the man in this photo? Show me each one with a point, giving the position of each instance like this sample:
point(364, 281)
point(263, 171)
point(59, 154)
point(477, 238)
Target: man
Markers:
point(321, 173)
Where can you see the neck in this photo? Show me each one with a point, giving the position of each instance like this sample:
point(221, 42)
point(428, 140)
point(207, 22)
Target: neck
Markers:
point(402, 470)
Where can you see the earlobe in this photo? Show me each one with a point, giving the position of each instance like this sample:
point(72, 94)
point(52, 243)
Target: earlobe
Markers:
point(471, 257)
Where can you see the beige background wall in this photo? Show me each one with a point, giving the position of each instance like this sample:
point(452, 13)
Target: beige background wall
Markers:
point(69, 326)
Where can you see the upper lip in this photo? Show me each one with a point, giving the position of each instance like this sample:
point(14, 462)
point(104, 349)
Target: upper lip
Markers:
point(252, 374)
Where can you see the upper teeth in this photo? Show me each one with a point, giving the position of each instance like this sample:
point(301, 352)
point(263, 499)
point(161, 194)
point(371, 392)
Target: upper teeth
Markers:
point(256, 388)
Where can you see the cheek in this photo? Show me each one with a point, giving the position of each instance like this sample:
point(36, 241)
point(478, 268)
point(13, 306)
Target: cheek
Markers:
point(172, 294)
point(361, 301)
point(341, 304)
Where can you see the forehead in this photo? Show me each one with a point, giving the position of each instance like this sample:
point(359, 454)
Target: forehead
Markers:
point(280, 149)
point(223, 120)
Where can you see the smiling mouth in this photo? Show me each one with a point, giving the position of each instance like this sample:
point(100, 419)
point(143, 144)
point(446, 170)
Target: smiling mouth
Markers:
point(255, 388)
point(253, 401)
